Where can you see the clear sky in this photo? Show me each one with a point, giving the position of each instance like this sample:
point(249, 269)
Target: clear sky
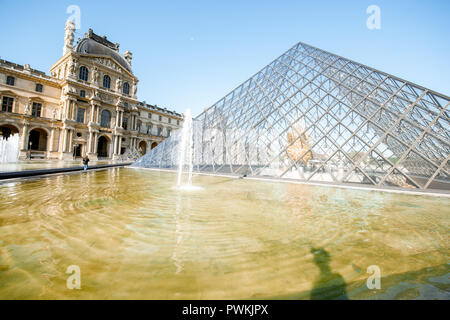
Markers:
point(189, 54)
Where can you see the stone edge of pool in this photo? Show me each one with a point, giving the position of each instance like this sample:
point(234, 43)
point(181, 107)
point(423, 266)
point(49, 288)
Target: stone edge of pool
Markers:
point(42, 172)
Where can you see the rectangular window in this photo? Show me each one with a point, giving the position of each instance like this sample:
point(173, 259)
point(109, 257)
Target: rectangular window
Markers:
point(149, 115)
point(170, 120)
point(178, 122)
point(80, 115)
point(168, 132)
point(36, 110)
point(82, 93)
point(125, 123)
point(10, 80)
point(159, 131)
point(149, 129)
point(160, 118)
point(39, 87)
point(7, 104)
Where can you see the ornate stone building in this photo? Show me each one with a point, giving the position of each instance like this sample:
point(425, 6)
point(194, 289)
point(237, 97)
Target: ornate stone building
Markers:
point(88, 105)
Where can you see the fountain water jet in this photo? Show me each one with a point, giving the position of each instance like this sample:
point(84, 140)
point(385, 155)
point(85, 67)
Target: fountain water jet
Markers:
point(186, 149)
point(9, 149)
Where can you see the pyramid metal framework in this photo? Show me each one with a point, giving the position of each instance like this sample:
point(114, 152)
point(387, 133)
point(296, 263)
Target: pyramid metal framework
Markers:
point(311, 115)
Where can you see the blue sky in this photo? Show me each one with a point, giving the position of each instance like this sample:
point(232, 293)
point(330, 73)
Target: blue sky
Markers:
point(189, 54)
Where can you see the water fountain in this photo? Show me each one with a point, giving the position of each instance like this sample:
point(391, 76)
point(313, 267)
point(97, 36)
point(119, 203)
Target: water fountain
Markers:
point(185, 152)
point(9, 149)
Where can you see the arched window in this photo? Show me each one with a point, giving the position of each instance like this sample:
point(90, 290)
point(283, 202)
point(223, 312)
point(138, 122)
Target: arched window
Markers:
point(126, 88)
point(105, 119)
point(84, 73)
point(106, 81)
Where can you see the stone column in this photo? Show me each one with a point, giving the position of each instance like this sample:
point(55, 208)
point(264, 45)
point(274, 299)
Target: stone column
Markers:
point(90, 142)
point(64, 140)
point(24, 138)
point(74, 115)
point(97, 114)
point(117, 118)
point(71, 141)
point(92, 115)
point(64, 109)
point(69, 110)
point(120, 145)
point(52, 139)
point(95, 142)
point(114, 145)
point(72, 109)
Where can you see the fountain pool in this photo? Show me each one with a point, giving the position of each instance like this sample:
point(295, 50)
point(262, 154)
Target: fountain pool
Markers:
point(134, 236)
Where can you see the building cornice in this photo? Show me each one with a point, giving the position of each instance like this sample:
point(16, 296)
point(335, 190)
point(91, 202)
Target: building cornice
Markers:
point(47, 80)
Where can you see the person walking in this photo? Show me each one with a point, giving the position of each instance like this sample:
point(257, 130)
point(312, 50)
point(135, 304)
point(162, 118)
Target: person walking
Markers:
point(85, 162)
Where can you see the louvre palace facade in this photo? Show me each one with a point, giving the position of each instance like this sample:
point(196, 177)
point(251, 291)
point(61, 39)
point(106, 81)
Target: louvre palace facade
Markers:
point(88, 104)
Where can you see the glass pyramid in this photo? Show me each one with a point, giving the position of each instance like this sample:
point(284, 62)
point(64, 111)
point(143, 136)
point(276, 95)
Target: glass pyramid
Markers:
point(313, 116)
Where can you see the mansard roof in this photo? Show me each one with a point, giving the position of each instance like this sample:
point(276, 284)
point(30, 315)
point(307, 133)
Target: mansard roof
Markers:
point(96, 45)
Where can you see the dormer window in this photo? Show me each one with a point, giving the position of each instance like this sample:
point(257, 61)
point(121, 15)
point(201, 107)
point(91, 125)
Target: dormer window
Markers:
point(106, 81)
point(10, 80)
point(84, 73)
point(126, 88)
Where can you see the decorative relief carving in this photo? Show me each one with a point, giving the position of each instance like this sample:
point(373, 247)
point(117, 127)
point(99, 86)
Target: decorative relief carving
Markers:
point(106, 98)
point(108, 63)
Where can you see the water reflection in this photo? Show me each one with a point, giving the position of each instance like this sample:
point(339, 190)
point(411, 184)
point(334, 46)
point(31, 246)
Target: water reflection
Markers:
point(135, 237)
